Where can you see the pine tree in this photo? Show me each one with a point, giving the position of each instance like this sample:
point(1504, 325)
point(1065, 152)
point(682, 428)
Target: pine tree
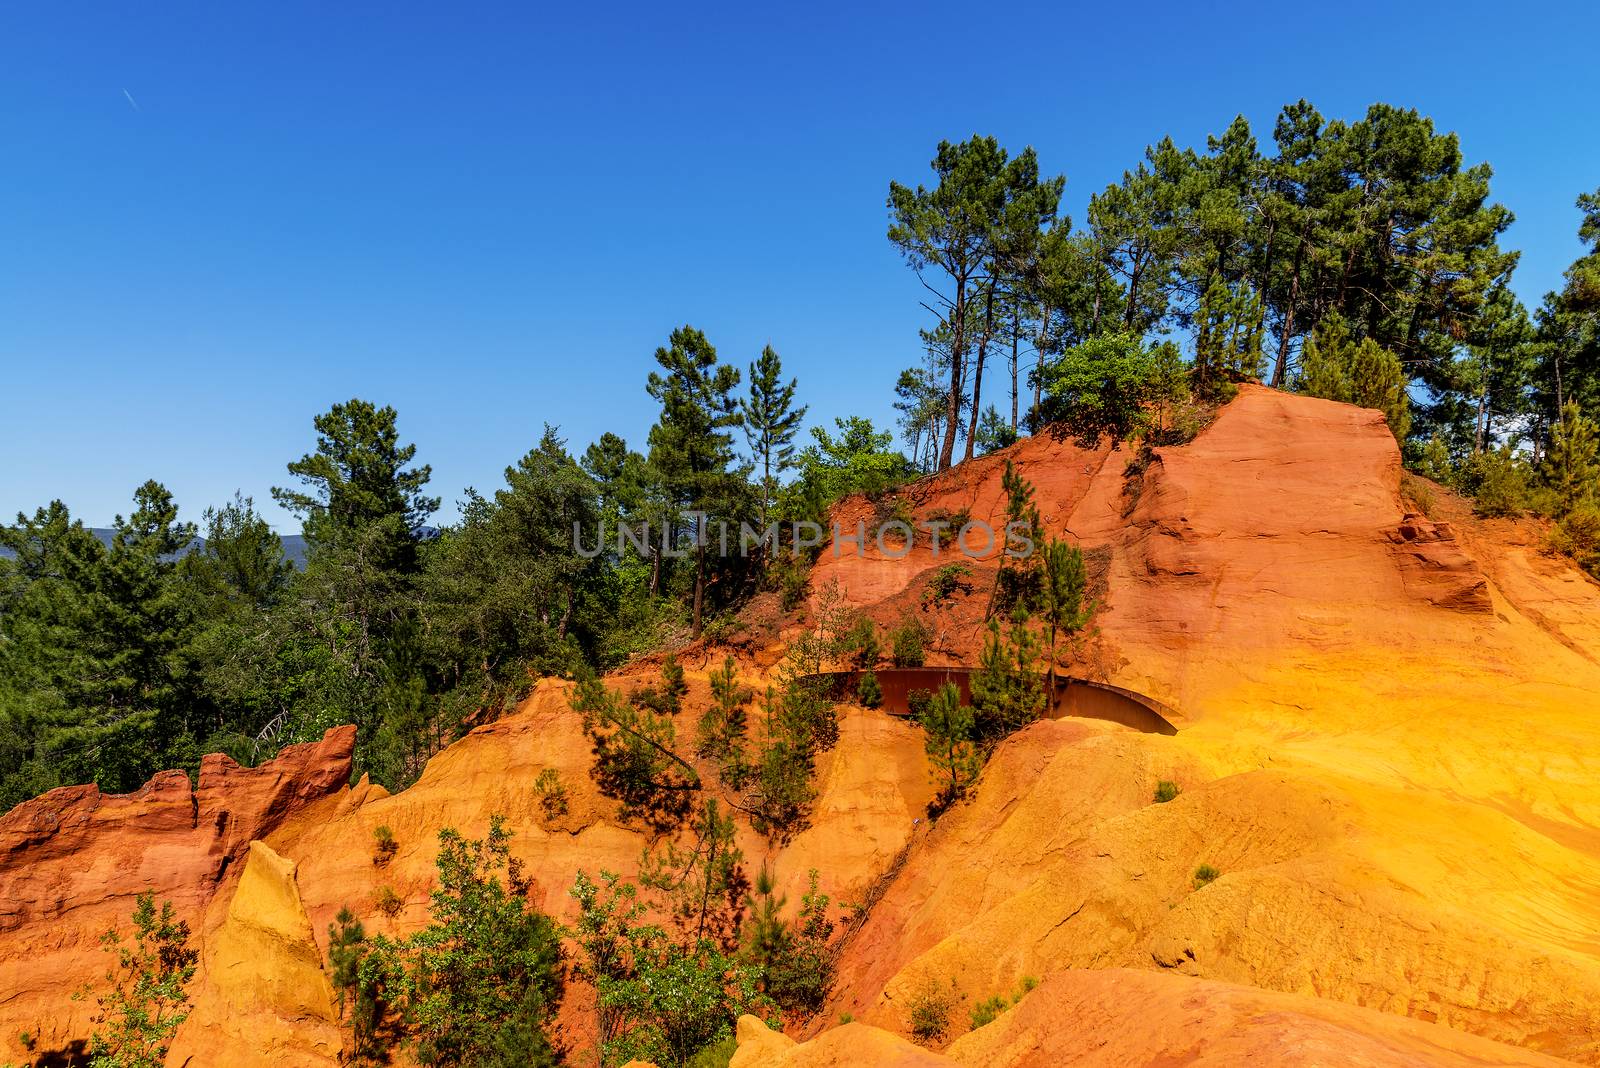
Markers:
point(770, 423)
point(1006, 692)
point(1571, 469)
point(952, 755)
point(691, 443)
point(702, 886)
point(1065, 582)
point(362, 497)
point(1337, 367)
point(869, 692)
point(725, 723)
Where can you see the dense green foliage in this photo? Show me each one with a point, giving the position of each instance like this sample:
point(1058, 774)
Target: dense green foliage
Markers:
point(118, 660)
point(478, 986)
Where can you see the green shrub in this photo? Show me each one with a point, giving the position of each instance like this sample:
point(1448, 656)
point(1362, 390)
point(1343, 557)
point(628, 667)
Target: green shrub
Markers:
point(859, 644)
point(896, 510)
point(146, 1003)
point(986, 1010)
point(907, 643)
point(917, 702)
point(929, 1008)
point(1500, 482)
point(945, 582)
point(1578, 535)
point(1336, 366)
point(846, 1017)
point(552, 794)
point(1204, 875)
point(792, 578)
point(1166, 790)
point(387, 901)
point(1101, 387)
point(868, 692)
point(717, 1055)
point(383, 845)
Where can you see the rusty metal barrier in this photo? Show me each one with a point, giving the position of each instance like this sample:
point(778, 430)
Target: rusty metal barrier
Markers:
point(1072, 697)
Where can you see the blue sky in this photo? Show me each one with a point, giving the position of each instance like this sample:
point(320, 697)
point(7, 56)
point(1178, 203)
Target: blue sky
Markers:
point(216, 220)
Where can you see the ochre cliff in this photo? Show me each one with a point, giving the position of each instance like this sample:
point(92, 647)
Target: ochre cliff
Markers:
point(1389, 751)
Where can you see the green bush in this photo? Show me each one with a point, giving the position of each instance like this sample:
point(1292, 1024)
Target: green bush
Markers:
point(1166, 790)
point(1499, 480)
point(945, 582)
point(717, 1055)
point(859, 644)
point(1577, 535)
point(929, 1008)
point(146, 1003)
point(479, 986)
point(383, 845)
point(917, 702)
point(907, 643)
point(1204, 875)
point(868, 692)
point(552, 794)
point(1101, 387)
point(386, 901)
point(1337, 367)
point(985, 1011)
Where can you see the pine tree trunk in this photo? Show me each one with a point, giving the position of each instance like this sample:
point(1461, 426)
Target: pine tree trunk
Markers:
point(1280, 371)
point(977, 377)
point(1016, 354)
point(1038, 378)
point(957, 350)
point(699, 582)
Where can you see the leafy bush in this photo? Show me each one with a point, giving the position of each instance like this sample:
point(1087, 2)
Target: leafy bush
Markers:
point(929, 1007)
point(985, 1011)
point(907, 643)
point(479, 985)
point(917, 702)
point(1204, 875)
point(1101, 387)
point(1166, 790)
point(1499, 479)
point(552, 794)
point(386, 901)
point(1577, 534)
point(658, 998)
point(869, 694)
point(383, 845)
point(137, 1017)
point(944, 583)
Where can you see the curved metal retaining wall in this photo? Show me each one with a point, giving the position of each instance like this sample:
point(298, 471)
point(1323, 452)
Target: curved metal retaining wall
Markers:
point(1073, 697)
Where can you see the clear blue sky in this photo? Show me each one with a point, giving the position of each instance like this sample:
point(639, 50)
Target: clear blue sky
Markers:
point(218, 219)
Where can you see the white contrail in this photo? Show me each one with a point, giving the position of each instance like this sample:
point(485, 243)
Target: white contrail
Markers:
point(132, 101)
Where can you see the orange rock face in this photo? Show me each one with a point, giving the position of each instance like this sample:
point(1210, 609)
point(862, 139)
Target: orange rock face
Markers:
point(1385, 849)
point(73, 860)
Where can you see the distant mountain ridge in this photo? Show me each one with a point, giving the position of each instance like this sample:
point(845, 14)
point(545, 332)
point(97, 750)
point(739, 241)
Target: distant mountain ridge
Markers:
point(294, 545)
